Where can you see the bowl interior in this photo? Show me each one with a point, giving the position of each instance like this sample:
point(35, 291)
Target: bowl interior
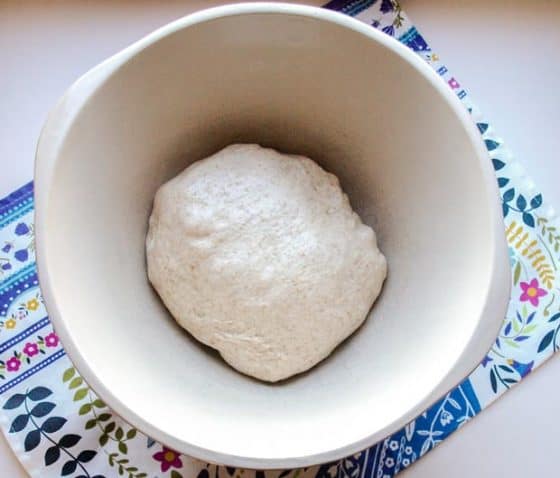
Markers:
point(301, 84)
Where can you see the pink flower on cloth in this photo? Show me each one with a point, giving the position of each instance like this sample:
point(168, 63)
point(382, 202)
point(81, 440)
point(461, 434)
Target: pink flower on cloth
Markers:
point(531, 292)
point(51, 340)
point(12, 365)
point(168, 459)
point(30, 349)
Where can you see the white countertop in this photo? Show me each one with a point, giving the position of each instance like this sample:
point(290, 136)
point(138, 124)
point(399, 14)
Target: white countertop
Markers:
point(505, 52)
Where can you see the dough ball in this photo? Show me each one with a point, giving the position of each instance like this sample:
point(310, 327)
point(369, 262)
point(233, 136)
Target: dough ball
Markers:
point(259, 255)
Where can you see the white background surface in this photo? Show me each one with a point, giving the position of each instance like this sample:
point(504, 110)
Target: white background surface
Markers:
point(506, 54)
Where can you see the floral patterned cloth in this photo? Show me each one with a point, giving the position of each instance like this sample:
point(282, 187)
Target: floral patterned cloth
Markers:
point(57, 426)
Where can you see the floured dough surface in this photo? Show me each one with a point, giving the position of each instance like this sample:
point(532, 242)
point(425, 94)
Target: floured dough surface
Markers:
point(259, 255)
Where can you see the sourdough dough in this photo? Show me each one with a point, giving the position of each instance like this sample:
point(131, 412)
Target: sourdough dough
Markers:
point(259, 255)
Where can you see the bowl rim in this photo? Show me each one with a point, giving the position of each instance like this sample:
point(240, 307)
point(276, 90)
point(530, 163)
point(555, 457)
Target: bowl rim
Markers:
point(52, 137)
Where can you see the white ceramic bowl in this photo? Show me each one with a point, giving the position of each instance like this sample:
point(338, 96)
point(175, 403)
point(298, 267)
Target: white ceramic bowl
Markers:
point(302, 80)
